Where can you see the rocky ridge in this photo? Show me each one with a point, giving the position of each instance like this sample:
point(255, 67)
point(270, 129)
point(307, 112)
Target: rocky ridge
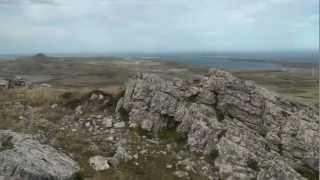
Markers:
point(247, 131)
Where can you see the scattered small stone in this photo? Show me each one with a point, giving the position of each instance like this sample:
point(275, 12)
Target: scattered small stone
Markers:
point(94, 97)
point(205, 168)
point(122, 154)
point(54, 106)
point(153, 141)
point(110, 138)
point(120, 125)
point(169, 147)
point(133, 125)
point(188, 164)
point(97, 116)
point(99, 163)
point(79, 110)
point(181, 174)
point(163, 152)
point(45, 85)
point(136, 156)
point(169, 166)
point(101, 97)
point(93, 148)
point(147, 125)
point(87, 124)
point(144, 151)
point(107, 122)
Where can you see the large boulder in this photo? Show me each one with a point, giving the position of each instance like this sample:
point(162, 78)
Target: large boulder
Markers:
point(250, 132)
point(23, 157)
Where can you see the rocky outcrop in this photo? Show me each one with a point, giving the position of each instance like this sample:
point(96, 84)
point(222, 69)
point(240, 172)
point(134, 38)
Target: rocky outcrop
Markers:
point(11, 83)
point(248, 131)
point(23, 157)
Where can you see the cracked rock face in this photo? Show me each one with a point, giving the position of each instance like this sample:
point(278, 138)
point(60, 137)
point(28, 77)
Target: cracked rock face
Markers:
point(23, 157)
point(248, 131)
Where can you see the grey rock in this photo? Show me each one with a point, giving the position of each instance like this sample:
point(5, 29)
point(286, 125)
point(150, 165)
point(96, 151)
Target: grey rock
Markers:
point(107, 122)
point(181, 174)
point(119, 125)
point(79, 110)
point(21, 156)
point(99, 163)
point(246, 129)
point(121, 155)
point(45, 85)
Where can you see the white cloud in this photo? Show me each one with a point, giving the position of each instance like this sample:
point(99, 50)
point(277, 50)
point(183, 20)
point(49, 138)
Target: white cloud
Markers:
point(131, 24)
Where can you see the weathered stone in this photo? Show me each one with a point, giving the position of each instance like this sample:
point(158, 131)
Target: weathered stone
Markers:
point(121, 155)
point(21, 156)
point(246, 129)
point(119, 125)
point(99, 163)
point(107, 122)
point(181, 174)
point(79, 110)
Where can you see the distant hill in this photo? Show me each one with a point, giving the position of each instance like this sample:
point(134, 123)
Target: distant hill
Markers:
point(39, 57)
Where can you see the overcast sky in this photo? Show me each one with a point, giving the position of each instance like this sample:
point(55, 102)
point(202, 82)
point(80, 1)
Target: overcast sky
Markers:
point(65, 26)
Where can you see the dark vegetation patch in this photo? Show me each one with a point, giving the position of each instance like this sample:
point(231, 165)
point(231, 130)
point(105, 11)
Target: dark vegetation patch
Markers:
point(253, 164)
point(6, 143)
point(213, 155)
point(124, 115)
point(192, 98)
point(222, 133)
point(308, 173)
point(280, 148)
point(263, 131)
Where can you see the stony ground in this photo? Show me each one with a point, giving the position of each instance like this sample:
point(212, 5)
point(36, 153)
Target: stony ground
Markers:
point(76, 118)
point(84, 126)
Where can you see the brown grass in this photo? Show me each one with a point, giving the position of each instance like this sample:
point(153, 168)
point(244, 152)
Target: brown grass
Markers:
point(40, 96)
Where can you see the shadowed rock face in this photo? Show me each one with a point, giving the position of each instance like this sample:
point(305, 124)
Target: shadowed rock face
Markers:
point(250, 132)
point(23, 157)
